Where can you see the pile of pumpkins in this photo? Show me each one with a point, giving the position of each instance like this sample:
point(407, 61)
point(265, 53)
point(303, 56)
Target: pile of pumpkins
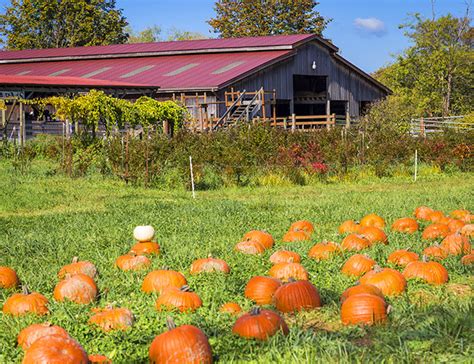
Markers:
point(287, 286)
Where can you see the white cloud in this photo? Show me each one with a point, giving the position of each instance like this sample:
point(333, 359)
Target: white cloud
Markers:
point(371, 26)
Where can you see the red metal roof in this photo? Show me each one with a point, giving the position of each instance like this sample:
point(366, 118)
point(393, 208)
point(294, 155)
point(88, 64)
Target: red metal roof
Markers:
point(61, 81)
point(163, 47)
point(181, 72)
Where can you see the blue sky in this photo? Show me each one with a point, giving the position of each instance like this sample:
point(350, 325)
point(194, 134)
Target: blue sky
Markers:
point(366, 31)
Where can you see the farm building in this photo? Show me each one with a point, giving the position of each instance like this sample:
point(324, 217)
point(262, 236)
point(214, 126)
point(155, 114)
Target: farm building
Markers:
point(221, 81)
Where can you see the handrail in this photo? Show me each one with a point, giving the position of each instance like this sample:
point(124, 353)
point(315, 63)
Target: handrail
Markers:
point(228, 110)
point(247, 109)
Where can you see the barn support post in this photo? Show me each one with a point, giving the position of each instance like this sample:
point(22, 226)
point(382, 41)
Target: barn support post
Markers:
point(348, 116)
point(328, 110)
point(21, 133)
point(4, 124)
point(293, 123)
point(274, 108)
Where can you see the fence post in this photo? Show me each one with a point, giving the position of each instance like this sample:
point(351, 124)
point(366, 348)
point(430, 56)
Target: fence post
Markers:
point(22, 126)
point(293, 123)
point(348, 120)
point(416, 165)
point(284, 123)
point(422, 126)
point(192, 175)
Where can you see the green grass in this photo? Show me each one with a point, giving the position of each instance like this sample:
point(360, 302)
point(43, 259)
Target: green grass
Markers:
point(46, 220)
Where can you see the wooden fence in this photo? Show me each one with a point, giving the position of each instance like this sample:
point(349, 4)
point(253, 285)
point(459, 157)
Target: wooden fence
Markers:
point(425, 126)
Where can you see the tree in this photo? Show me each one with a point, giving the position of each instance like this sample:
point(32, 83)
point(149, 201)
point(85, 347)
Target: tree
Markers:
point(147, 35)
point(177, 34)
point(243, 18)
point(435, 75)
point(28, 24)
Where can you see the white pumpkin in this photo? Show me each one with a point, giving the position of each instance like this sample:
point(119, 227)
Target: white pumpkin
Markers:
point(144, 233)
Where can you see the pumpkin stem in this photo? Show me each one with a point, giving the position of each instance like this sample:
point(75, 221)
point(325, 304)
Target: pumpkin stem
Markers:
point(185, 288)
point(209, 255)
point(291, 280)
point(25, 289)
point(389, 309)
point(170, 323)
point(424, 259)
point(255, 311)
point(75, 259)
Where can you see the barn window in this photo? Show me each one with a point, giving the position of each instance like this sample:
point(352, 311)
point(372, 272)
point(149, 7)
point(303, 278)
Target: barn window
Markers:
point(137, 71)
point(182, 69)
point(96, 72)
point(228, 67)
point(22, 73)
point(57, 73)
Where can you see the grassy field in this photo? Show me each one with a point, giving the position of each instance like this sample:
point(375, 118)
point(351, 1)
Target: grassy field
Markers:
point(46, 220)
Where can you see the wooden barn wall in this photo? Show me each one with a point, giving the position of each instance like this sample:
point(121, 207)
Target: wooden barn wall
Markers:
point(343, 83)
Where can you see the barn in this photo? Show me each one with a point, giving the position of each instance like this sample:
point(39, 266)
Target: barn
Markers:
point(221, 81)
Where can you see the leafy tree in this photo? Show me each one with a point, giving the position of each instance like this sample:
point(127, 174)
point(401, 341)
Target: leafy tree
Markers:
point(243, 18)
point(178, 34)
point(28, 24)
point(147, 35)
point(435, 75)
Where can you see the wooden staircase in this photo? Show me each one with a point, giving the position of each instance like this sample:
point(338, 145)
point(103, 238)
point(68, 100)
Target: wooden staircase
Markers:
point(243, 109)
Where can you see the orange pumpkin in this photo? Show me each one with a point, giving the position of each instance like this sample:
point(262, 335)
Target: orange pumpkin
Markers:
point(357, 265)
point(250, 247)
point(183, 344)
point(389, 281)
point(78, 288)
point(456, 244)
point(435, 216)
point(348, 227)
point(158, 280)
point(373, 234)
point(30, 334)
point(8, 278)
point(231, 308)
point(259, 324)
point(467, 259)
point(181, 298)
point(363, 308)
point(76, 267)
point(455, 225)
point(302, 225)
point(461, 214)
point(468, 230)
point(402, 257)
point(294, 236)
point(132, 262)
point(361, 288)
point(147, 248)
point(297, 296)
point(100, 359)
point(324, 250)
point(355, 242)
point(22, 303)
point(55, 349)
point(262, 237)
point(285, 256)
point(436, 252)
point(207, 265)
point(112, 318)
point(430, 272)
point(261, 289)
point(373, 220)
point(422, 212)
point(435, 231)
point(405, 225)
point(285, 271)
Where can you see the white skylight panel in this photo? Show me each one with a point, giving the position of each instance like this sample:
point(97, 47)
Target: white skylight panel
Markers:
point(96, 72)
point(137, 71)
point(181, 69)
point(58, 73)
point(228, 67)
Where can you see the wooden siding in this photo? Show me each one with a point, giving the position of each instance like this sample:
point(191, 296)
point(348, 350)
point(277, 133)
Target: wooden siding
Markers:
point(344, 84)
